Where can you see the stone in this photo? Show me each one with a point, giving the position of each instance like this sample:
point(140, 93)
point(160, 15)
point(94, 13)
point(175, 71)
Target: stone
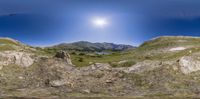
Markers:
point(65, 56)
point(57, 83)
point(177, 49)
point(13, 57)
point(189, 64)
point(102, 66)
point(20, 77)
point(86, 91)
point(146, 65)
point(109, 81)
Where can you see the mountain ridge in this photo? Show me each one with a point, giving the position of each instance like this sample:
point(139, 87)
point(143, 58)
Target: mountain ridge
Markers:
point(86, 45)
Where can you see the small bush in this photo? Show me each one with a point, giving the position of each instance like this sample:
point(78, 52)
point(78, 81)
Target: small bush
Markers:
point(80, 59)
point(99, 56)
point(81, 54)
point(124, 64)
point(113, 64)
point(127, 64)
point(73, 53)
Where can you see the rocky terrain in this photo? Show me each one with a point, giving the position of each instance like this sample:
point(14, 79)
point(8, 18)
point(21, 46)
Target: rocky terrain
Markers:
point(163, 67)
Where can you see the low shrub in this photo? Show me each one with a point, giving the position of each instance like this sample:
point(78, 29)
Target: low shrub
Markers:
point(123, 64)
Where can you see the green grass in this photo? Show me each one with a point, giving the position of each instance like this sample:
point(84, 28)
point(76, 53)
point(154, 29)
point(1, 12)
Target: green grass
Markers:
point(133, 56)
point(6, 44)
point(6, 48)
point(127, 63)
point(7, 41)
point(85, 58)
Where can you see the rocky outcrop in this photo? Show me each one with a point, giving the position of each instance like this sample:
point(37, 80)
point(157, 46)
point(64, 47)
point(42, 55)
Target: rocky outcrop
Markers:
point(144, 66)
point(189, 64)
point(177, 49)
point(13, 57)
point(64, 55)
point(101, 66)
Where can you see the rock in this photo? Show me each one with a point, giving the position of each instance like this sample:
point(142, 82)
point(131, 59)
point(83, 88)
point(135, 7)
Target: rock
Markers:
point(86, 91)
point(97, 66)
point(143, 66)
point(109, 81)
point(57, 83)
point(189, 64)
point(64, 55)
point(177, 49)
point(20, 77)
point(101, 66)
point(121, 62)
point(13, 57)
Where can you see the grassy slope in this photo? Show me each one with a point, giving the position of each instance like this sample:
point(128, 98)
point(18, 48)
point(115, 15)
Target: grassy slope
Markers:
point(8, 44)
point(170, 41)
point(148, 51)
point(139, 54)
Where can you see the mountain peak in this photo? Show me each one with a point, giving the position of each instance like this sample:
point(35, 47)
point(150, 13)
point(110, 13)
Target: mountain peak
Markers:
point(85, 45)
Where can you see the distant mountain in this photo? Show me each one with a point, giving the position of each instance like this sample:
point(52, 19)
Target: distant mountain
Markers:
point(88, 46)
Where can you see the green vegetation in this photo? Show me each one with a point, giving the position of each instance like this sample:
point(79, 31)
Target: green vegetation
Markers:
point(8, 41)
point(80, 59)
point(127, 63)
point(6, 47)
point(151, 50)
point(8, 44)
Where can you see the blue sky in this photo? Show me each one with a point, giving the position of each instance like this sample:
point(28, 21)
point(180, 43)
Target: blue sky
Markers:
point(49, 22)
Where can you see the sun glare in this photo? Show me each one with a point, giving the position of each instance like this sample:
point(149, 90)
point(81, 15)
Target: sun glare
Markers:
point(100, 22)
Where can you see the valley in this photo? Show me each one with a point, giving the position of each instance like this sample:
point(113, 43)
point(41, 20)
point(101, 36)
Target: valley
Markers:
point(164, 67)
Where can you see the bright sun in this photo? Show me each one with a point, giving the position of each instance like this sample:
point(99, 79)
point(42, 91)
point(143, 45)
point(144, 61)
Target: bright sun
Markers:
point(100, 22)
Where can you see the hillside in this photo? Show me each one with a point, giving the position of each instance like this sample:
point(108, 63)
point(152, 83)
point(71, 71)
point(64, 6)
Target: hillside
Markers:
point(163, 67)
point(167, 42)
point(167, 47)
point(9, 44)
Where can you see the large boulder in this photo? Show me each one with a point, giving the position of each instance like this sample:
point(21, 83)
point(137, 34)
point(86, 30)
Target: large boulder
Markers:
point(189, 64)
point(64, 55)
point(18, 58)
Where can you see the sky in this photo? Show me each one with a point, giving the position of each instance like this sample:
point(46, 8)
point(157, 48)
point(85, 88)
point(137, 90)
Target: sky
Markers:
point(49, 22)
